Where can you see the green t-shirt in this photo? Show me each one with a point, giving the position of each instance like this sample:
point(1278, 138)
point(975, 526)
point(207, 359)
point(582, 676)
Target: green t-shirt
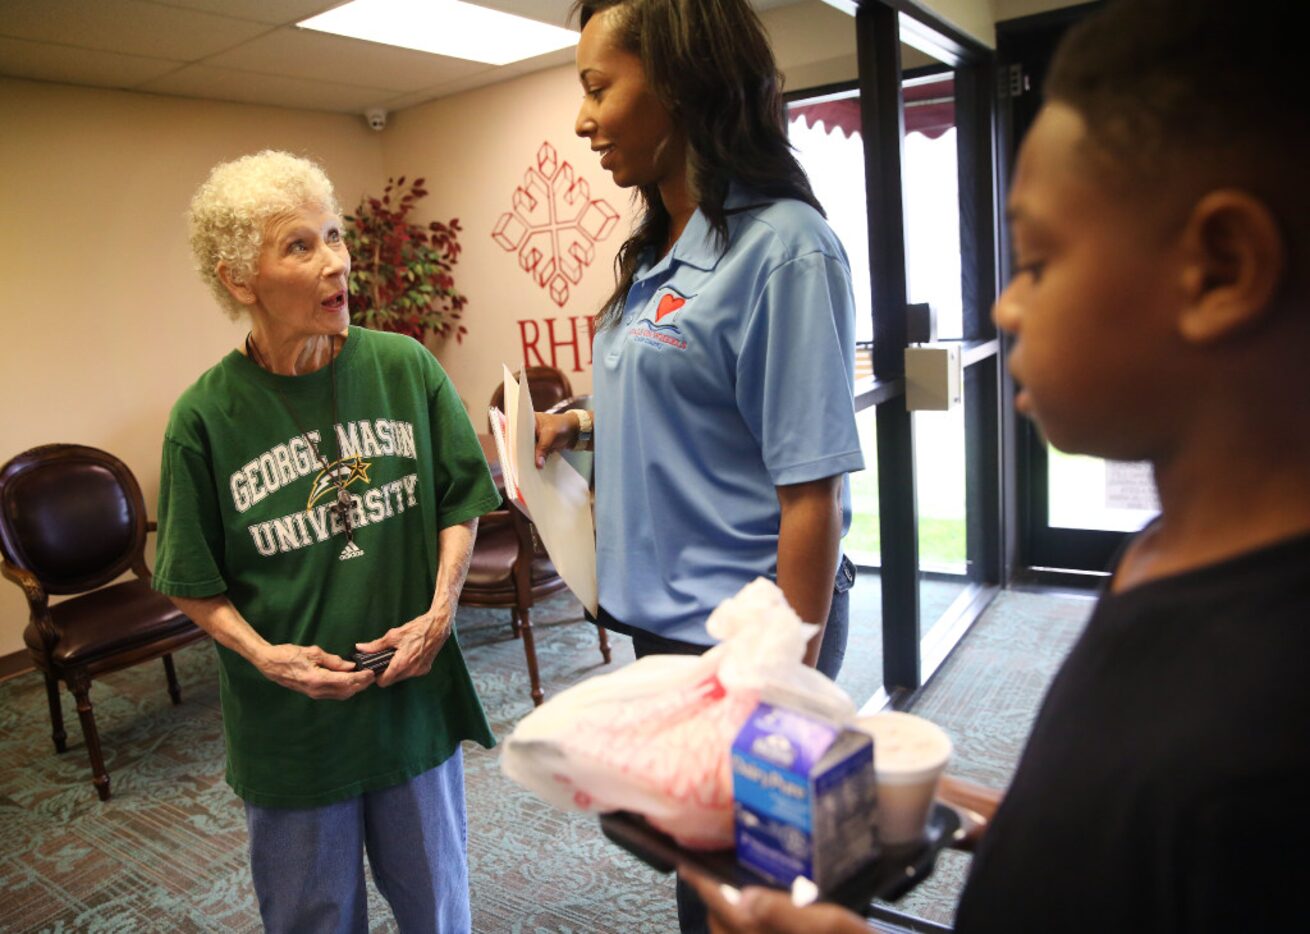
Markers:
point(244, 509)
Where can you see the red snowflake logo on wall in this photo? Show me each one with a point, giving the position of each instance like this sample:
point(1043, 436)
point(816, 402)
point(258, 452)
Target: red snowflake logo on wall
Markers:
point(555, 224)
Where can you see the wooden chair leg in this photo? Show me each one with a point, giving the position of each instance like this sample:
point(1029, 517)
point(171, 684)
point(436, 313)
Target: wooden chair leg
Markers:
point(515, 624)
point(604, 643)
point(530, 650)
point(174, 691)
point(81, 686)
point(56, 713)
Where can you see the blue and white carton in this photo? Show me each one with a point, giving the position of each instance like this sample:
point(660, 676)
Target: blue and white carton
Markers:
point(804, 797)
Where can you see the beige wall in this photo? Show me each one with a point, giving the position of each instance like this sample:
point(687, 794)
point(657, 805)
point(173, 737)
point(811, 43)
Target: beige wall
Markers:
point(979, 17)
point(814, 44)
point(475, 149)
point(1012, 9)
point(103, 320)
point(976, 17)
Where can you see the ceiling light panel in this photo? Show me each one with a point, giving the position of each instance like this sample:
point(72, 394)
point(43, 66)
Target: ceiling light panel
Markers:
point(444, 27)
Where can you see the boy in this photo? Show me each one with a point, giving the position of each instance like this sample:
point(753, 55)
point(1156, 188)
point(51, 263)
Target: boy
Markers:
point(1160, 311)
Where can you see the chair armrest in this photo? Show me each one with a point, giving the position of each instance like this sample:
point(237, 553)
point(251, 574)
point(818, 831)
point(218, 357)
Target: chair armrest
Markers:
point(572, 402)
point(526, 536)
point(139, 566)
point(37, 599)
point(524, 531)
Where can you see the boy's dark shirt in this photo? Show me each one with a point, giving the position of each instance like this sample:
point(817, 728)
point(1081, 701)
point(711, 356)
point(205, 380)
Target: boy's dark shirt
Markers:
point(1166, 783)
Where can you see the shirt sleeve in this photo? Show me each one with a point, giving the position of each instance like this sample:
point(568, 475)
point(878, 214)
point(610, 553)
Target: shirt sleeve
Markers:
point(795, 371)
point(189, 547)
point(465, 488)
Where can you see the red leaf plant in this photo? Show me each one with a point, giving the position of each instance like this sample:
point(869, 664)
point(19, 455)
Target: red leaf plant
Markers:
point(400, 274)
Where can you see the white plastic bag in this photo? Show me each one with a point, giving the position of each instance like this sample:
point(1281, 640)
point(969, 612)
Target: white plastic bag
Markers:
point(655, 737)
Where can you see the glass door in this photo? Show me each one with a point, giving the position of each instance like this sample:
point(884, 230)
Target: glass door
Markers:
point(914, 138)
point(1074, 512)
point(824, 127)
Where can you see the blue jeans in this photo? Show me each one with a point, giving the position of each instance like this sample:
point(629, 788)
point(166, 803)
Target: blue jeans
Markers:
point(693, 917)
point(308, 863)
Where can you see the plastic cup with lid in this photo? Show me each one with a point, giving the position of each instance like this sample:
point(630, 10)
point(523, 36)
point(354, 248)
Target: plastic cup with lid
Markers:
point(909, 756)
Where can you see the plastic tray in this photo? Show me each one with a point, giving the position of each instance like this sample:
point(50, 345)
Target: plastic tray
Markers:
point(896, 871)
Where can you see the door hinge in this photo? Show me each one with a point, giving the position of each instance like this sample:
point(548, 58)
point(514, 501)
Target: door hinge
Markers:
point(1013, 82)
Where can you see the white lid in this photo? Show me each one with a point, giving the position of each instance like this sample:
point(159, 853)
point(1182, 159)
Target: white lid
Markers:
point(905, 746)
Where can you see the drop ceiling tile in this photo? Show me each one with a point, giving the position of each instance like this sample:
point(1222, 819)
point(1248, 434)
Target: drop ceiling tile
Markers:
point(261, 11)
point(132, 27)
point(402, 101)
point(303, 53)
point(545, 60)
point(481, 79)
point(490, 75)
point(20, 58)
point(226, 84)
point(524, 67)
point(554, 12)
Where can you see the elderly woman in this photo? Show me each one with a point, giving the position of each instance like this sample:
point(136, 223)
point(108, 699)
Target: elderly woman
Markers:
point(320, 493)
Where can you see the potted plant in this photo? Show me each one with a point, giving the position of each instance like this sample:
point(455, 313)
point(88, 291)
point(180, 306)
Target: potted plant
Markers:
point(400, 274)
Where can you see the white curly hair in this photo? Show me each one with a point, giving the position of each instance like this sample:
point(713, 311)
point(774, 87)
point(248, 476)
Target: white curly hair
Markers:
point(230, 212)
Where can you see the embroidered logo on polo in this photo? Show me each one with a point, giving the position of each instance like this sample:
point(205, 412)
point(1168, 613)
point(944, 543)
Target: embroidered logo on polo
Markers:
point(669, 303)
point(658, 332)
point(286, 465)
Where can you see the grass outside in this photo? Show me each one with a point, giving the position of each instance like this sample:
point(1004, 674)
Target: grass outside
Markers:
point(941, 539)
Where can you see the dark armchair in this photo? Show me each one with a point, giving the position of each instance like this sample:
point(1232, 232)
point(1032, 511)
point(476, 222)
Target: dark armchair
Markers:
point(72, 520)
point(547, 385)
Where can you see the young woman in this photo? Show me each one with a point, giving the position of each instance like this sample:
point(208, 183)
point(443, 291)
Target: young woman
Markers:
point(724, 422)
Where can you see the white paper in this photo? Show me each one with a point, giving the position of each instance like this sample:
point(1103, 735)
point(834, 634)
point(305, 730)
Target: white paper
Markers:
point(509, 463)
point(507, 480)
point(556, 496)
point(502, 432)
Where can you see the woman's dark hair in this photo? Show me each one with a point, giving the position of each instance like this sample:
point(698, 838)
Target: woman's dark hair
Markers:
point(709, 63)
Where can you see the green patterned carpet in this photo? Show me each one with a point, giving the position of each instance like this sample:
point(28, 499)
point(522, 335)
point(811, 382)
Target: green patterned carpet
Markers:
point(167, 852)
point(986, 697)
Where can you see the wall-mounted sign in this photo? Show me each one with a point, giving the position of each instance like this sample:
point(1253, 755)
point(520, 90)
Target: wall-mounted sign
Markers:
point(564, 343)
point(555, 224)
point(1130, 486)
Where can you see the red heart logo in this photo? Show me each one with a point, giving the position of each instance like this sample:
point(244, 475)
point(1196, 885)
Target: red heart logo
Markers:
point(668, 305)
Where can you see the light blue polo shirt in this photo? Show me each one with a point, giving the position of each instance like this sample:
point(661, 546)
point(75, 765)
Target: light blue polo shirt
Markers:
point(728, 375)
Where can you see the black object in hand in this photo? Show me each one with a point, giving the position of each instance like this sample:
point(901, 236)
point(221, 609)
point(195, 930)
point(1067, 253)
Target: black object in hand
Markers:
point(375, 662)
